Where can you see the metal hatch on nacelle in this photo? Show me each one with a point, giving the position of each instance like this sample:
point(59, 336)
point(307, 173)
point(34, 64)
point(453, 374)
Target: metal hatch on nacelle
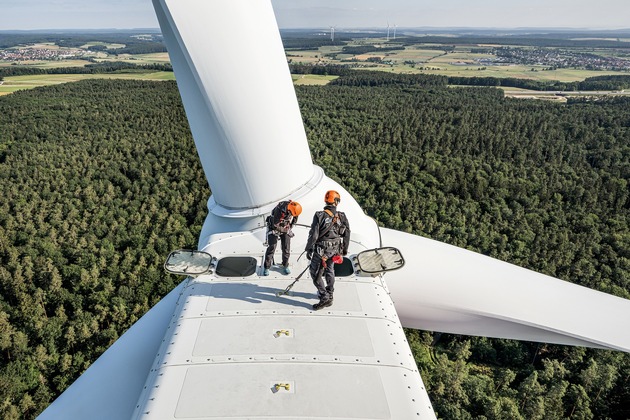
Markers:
point(379, 260)
point(188, 262)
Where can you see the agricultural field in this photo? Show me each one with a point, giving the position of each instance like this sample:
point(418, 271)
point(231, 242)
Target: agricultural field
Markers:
point(462, 67)
point(460, 63)
point(15, 83)
point(471, 60)
point(46, 64)
point(24, 64)
point(311, 79)
point(443, 54)
point(109, 46)
point(139, 59)
point(308, 57)
point(100, 57)
point(154, 58)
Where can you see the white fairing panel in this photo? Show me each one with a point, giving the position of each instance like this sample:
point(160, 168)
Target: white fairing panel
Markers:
point(236, 87)
point(236, 350)
point(110, 388)
point(449, 289)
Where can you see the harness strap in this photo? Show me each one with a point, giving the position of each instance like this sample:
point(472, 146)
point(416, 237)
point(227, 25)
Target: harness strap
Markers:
point(335, 218)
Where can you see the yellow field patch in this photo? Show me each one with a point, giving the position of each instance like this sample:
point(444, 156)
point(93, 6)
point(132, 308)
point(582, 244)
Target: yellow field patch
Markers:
point(14, 83)
point(312, 79)
point(44, 46)
point(40, 64)
point(158, 58)
point(105, 44)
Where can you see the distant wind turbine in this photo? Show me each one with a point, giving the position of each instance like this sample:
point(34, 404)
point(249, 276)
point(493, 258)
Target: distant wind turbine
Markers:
point(395, 26)
point(332, 33)
point(388, 30)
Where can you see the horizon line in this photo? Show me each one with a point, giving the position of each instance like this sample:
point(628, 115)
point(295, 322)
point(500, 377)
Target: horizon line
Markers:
point(352, 28)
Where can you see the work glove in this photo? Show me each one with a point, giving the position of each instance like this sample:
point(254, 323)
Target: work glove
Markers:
point(309, 255)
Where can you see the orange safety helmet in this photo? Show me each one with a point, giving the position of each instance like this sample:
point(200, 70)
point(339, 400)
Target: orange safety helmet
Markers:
point(332, 197)
point(295, 208)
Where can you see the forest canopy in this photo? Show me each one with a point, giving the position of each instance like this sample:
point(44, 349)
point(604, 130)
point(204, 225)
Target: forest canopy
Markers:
point(100, 180)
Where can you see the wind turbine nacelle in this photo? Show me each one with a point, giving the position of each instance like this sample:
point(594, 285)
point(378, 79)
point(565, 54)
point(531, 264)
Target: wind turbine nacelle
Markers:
point(221, 220)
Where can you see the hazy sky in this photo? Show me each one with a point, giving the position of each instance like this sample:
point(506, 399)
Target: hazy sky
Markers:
point(124, 14)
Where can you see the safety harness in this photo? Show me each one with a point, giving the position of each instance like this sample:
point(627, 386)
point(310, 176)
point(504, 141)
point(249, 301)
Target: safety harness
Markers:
point(335, 219)
point(332, 244)
point(283, 225)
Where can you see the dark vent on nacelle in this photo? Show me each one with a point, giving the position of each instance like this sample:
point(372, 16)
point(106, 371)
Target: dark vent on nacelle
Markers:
point(236, 266)
point(344, 269)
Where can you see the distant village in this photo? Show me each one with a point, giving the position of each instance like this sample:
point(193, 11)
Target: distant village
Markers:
point(555, 58)
point(27, 54)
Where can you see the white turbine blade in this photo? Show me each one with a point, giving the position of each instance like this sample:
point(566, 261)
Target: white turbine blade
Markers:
point(236, 87)
point(449, 289)
point(110, 388)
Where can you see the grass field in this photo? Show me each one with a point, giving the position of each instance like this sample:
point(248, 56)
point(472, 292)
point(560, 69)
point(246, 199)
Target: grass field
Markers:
point(15, 83)
point(45, 45)
point(107, 45)
point(306, 57)
point(139, 59)
point(519, 71)
point(311, 79)
point(158, 58)
point(41, 64)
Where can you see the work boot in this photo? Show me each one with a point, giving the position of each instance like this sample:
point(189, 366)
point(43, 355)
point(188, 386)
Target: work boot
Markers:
point(287, 270)
point(323, 303)
point(330, 294)
point(266, 272)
